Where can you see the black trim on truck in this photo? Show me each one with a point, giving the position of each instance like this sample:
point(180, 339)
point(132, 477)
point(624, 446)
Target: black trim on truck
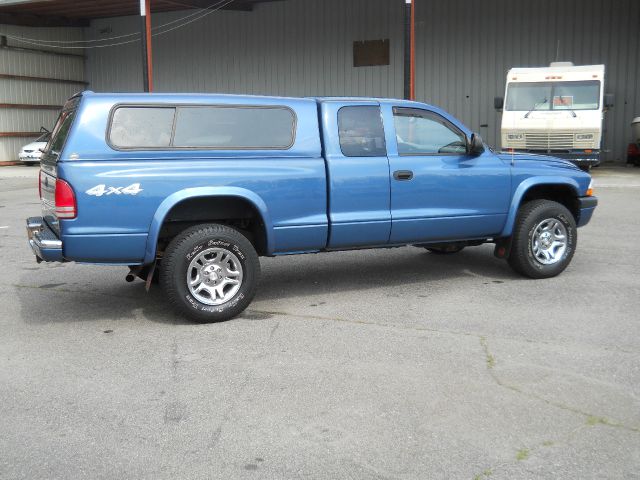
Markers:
point(587, 202)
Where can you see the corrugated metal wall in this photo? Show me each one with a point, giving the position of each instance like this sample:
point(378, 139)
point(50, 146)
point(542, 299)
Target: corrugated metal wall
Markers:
point(26, 61)
point(283, 48)
point(464, 49)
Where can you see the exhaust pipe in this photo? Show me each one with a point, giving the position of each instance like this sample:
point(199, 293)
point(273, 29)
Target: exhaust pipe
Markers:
point(133, 273)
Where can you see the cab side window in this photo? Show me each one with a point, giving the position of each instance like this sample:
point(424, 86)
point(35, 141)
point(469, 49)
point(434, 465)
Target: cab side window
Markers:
point(420, 132)
point(361, 132)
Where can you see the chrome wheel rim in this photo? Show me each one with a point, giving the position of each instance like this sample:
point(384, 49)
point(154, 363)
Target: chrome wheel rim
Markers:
point(214, 276)
point(549, 241)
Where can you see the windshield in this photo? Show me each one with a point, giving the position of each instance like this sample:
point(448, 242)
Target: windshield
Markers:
point(527, 96)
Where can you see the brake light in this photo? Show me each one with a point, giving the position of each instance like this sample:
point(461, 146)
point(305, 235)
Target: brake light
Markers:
point(65, 200)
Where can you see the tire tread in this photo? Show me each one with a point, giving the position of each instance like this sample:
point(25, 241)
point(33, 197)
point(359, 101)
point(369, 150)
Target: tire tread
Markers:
point(170, 258)
point(518, 257)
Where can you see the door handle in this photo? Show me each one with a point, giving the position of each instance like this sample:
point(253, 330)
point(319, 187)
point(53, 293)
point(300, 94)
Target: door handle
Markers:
point(403, 174)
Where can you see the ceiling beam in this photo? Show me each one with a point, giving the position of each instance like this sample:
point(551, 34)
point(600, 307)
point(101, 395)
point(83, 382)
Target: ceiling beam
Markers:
point(187, 4)
point(76, 13)
point(29, 78)
point(84, 9)
point(30, 20)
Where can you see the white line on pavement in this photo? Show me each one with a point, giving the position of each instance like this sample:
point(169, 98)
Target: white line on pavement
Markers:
point(613, 185)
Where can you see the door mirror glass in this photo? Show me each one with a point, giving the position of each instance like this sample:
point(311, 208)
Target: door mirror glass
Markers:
point(475, 145)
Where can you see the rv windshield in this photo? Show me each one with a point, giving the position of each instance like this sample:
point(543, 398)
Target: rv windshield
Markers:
point(528, 96)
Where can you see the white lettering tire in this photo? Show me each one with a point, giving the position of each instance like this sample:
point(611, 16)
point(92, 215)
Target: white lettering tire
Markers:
point(210, 272)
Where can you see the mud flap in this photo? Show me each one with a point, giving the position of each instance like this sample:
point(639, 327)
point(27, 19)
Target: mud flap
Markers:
point(152, 271)
point(503, 247)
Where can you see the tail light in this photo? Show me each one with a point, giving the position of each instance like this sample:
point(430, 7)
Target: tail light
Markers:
point(65, 200)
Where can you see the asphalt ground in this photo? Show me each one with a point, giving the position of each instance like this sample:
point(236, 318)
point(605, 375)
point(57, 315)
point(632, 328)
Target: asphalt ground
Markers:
point(376, 364)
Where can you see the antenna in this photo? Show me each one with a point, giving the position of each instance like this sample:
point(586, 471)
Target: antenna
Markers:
point(558, 50)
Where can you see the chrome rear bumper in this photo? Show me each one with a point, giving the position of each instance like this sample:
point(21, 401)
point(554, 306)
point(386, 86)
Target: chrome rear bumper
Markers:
point(44, 243)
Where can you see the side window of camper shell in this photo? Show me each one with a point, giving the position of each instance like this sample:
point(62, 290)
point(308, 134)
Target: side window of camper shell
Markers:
point(220, 127)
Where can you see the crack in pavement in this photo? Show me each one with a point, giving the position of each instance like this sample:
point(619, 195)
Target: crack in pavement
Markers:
point(529, 450)
point(590, 418)
point(419, 328)
point(490, 361)
point(273, 330)
point(332, 319)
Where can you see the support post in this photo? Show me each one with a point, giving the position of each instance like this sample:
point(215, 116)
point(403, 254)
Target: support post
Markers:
point(412, 70)
point(145, 33)
point(409, 50)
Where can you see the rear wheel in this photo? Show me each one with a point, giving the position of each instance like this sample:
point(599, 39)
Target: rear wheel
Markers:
point(210, 272)
point(544, 239)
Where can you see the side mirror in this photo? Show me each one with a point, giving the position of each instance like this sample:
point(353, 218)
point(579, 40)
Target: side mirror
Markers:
point(475, 145)
point(608, 100)
point(498, 103)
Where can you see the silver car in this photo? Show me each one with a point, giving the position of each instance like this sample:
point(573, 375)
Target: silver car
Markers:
point(30, 154)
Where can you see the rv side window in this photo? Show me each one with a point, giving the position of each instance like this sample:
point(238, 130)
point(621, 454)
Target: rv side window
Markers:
point(234, 127)
point(141, 127)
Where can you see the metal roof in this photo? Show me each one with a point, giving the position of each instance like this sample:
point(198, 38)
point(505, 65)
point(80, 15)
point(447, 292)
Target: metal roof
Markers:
point(79, 12)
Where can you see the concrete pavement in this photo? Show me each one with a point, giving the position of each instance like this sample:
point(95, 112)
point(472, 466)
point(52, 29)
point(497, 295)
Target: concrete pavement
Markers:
point(383, 364)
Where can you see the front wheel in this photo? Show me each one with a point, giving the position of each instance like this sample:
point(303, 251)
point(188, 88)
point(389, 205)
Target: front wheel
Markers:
point(210, 272)
point(544, 239)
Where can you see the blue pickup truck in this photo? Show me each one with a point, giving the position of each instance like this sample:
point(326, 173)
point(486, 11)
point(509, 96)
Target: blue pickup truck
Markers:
point(190, 190)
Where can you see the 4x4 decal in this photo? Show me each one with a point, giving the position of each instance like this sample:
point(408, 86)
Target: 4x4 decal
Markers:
point(102, 189)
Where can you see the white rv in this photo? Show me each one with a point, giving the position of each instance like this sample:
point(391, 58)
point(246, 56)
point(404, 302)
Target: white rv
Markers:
point(556, 110)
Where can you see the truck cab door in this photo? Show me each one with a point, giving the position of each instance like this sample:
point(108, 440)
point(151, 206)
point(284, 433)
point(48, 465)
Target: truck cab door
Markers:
point(357, 174)
point(439, 192)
